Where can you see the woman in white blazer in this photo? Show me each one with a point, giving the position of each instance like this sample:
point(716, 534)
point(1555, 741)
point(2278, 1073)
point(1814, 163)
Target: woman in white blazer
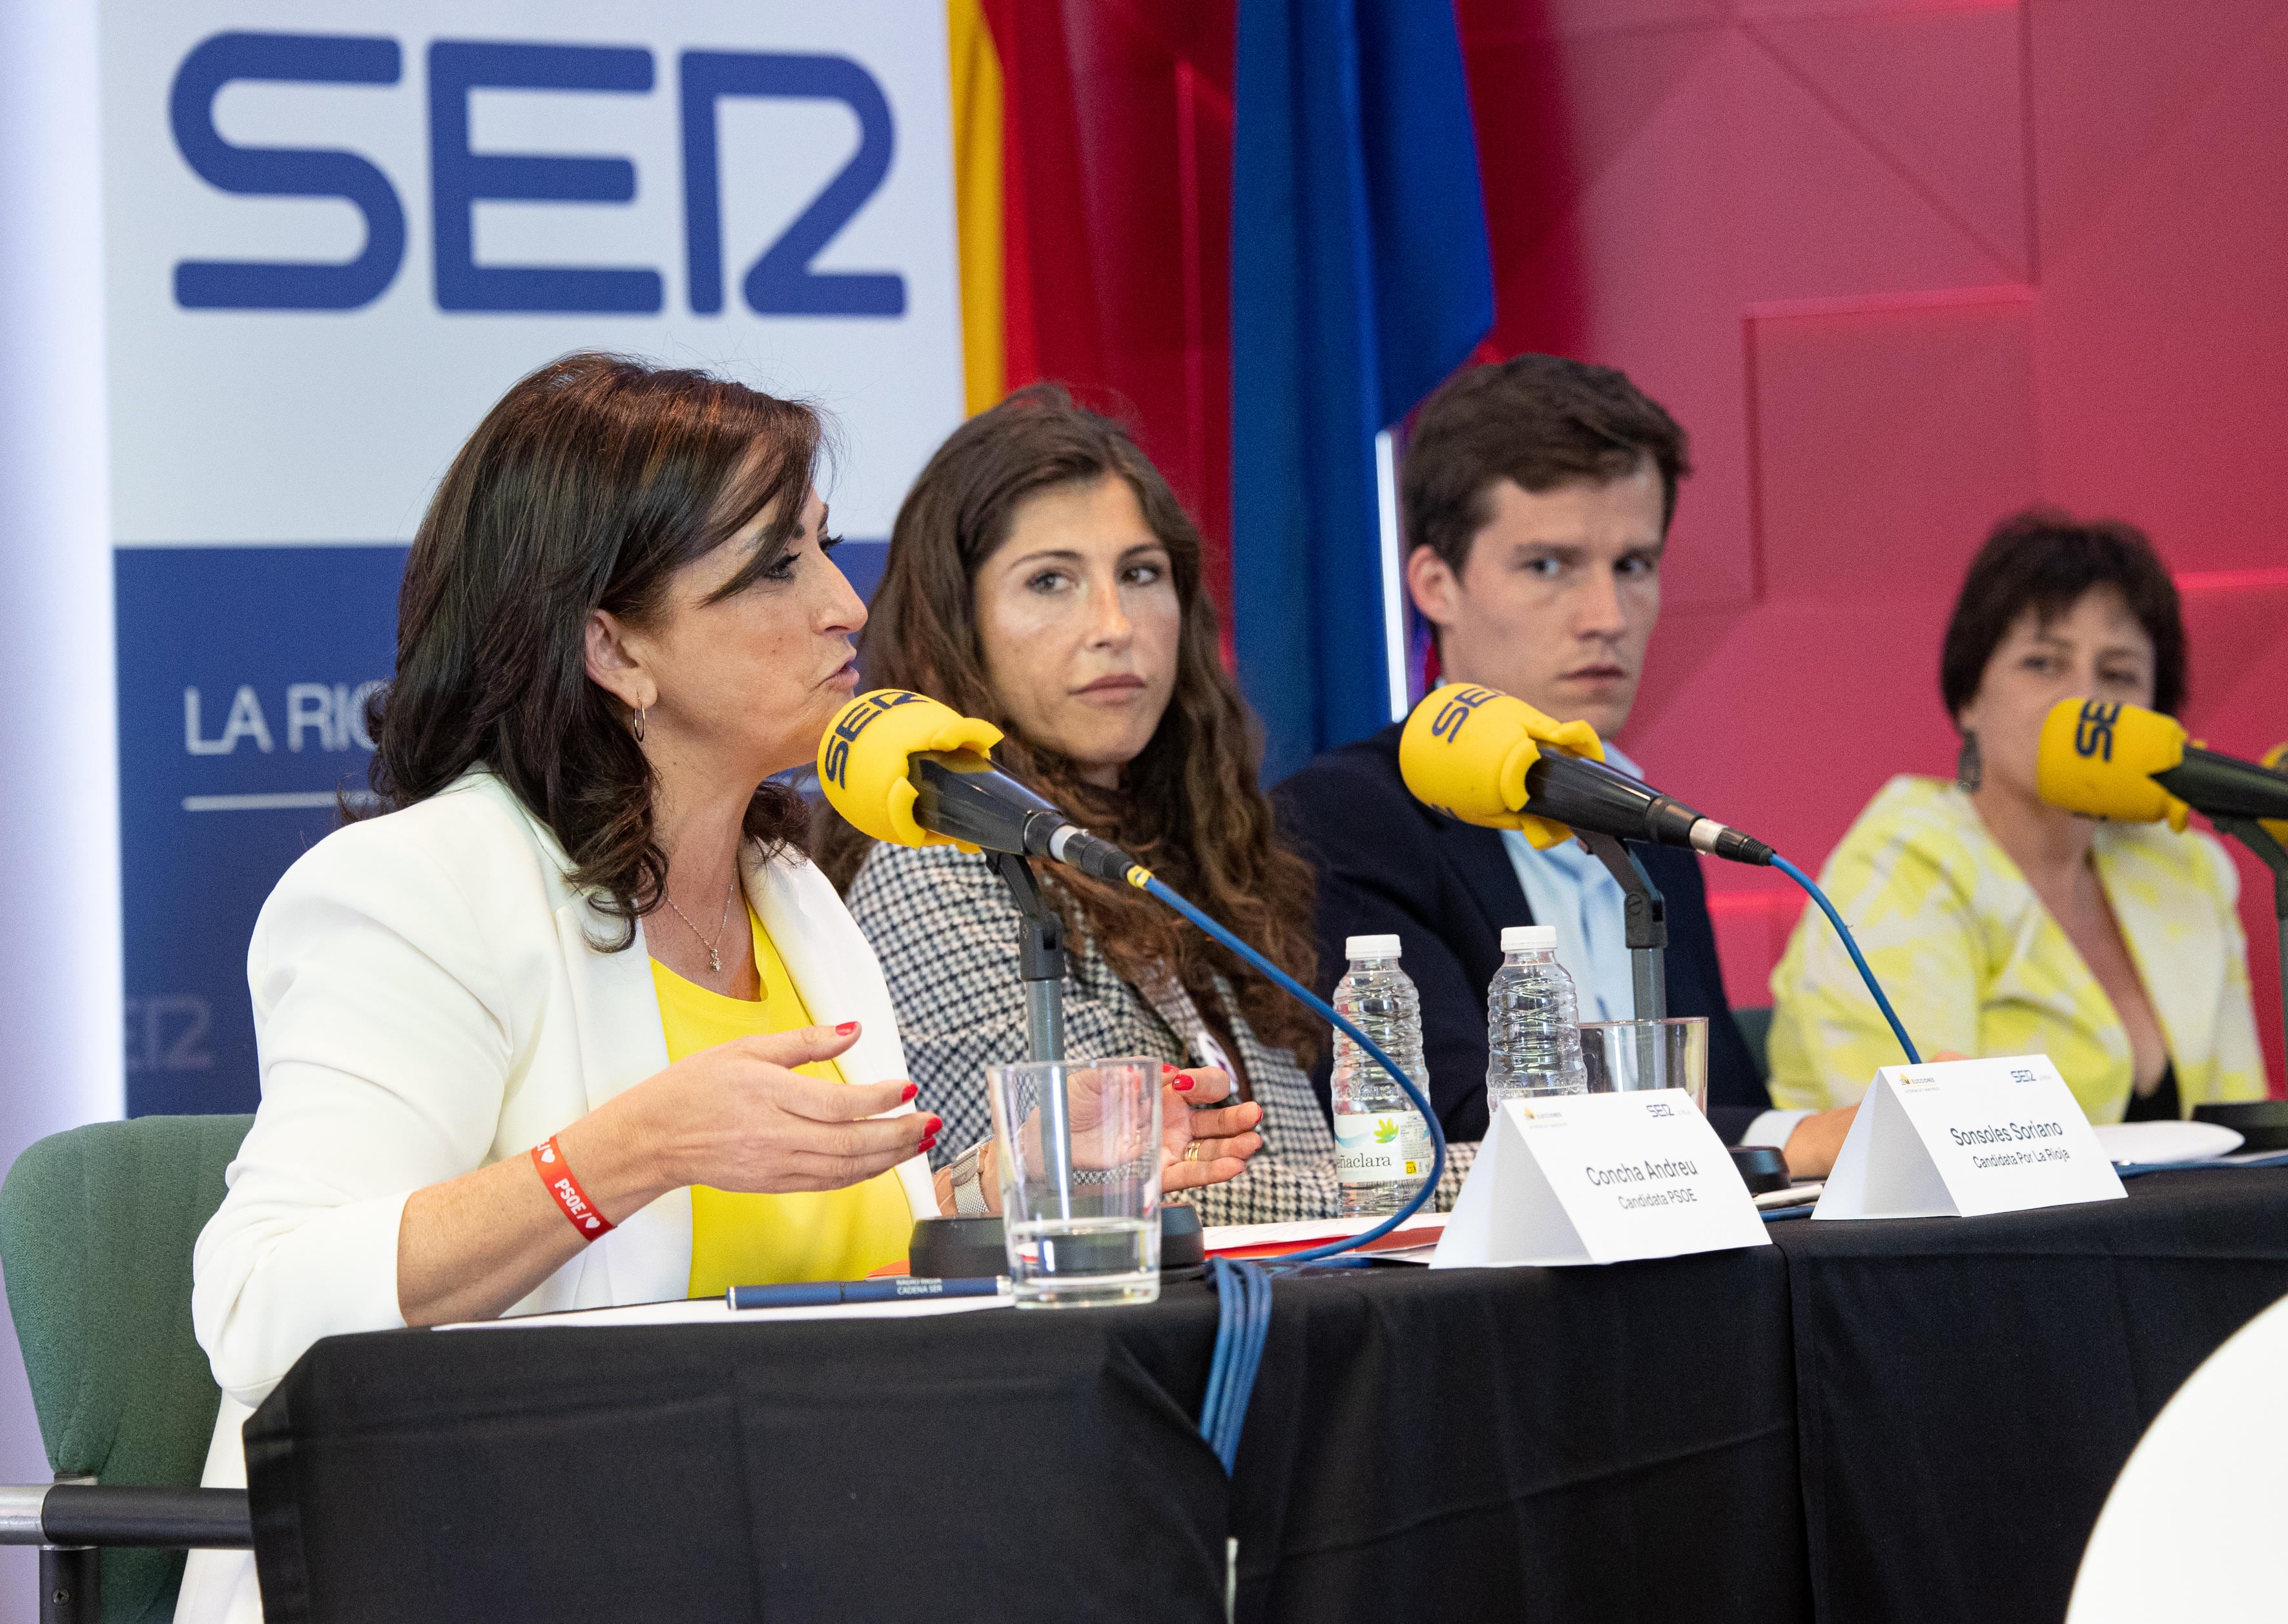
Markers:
point(618, 622)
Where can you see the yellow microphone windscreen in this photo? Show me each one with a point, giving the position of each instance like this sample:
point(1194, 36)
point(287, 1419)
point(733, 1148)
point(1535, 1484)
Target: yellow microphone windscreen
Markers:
point(862, 759)
point(1466, 751)
point(2099, 759)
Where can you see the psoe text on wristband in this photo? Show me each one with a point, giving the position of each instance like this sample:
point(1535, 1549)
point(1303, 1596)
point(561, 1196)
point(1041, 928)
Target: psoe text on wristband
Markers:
point(548, 1159)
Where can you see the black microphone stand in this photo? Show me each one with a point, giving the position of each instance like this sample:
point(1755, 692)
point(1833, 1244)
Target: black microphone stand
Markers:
point(1040, 959)
point(1041, 965)
point(2258, 839)
point(1645, 916)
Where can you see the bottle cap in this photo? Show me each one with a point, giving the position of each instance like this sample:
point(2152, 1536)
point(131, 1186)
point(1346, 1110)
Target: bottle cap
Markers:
point(1529, 939)
point(1371, 946)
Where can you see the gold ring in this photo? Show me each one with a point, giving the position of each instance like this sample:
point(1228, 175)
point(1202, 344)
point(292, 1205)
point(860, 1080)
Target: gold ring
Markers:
point(1192, 1151)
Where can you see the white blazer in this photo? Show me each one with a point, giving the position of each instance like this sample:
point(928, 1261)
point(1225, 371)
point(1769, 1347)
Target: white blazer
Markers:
point(428, 999)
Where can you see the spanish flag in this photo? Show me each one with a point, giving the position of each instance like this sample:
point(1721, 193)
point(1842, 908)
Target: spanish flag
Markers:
point(975, 64)
point(1349, 272)
point(1025, 313)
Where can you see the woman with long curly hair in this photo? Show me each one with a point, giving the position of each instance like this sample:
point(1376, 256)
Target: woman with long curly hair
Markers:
point(1042, 575)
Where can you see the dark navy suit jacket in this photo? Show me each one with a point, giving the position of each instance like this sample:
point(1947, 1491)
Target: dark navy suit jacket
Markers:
point(1389, 865)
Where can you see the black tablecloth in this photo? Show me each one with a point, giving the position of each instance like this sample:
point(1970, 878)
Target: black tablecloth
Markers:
point(1606, 1444)
point(1594, 1444)
point(1969, 1388)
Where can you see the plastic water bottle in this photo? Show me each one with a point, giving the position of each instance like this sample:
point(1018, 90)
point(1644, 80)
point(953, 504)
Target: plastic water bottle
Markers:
point(1382, 1145)
point(1533, 1031)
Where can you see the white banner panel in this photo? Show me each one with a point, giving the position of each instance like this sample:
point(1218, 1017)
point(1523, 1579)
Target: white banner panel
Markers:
point(334, 237)
point(402, 157)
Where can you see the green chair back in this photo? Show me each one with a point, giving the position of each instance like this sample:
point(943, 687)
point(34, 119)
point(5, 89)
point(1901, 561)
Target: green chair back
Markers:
point(1756, 1027)
point(96, 1231)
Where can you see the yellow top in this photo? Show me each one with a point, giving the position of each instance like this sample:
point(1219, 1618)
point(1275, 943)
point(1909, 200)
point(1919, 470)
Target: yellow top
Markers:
point(763, 1240)
point(1974, 962)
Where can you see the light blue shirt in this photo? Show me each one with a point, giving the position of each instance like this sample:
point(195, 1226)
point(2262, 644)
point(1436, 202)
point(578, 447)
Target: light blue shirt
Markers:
point(1566, 887)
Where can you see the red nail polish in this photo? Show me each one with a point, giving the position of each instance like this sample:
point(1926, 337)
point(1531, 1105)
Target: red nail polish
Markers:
point(926, 1146)
point(935, 1124)
point(1182, 1083)
point(845, 1029)
point(1166, 1068)
point(912, 1089)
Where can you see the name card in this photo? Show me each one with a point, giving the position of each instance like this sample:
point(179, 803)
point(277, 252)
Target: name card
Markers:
point(1962, 1137)
point(1598, 1178)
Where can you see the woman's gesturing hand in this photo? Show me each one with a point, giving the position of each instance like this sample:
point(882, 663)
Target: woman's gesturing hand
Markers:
point(736, 1117)
point(739, 1117)
point(1204, 1143)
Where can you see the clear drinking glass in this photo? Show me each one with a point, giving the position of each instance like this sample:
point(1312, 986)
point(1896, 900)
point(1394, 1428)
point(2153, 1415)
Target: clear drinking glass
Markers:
point(1623, 1056)
point(1079, 1150)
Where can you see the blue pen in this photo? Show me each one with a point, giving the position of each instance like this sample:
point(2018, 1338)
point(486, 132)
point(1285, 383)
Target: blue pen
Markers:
point(827, 1294)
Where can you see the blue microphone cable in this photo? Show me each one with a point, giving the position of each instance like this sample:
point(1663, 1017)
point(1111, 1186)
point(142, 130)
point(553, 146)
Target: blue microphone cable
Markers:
point(1243, 1289)
point(1243, 1326)
point(1246, 1289)
point(1296, 990)
point(1851, 947)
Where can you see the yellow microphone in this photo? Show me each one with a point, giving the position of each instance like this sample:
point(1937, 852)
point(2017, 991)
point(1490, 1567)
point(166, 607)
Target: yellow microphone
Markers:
point(2099, 760)
point(1465, 752)
point(1489, 758)
point(2127, 762)
point(913, 772)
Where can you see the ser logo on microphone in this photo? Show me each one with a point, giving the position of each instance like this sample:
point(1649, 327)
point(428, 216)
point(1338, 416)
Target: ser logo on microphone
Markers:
point(856, 720)
point(1447, 723)
point(2093, 730)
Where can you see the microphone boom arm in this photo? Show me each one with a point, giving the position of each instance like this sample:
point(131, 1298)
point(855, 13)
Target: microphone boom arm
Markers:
point(1041, 966)
point(1645, 913)
point(1040, 959)
point(2260, 840)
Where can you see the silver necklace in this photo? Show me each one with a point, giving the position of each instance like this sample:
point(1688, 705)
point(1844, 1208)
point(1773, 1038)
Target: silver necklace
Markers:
point(714, 959)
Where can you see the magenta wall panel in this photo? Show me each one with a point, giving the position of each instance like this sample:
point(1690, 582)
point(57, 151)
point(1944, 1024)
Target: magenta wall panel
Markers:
point(1901, 266)
point(1885, 441)
point(2158, 375)
point(1933, 95)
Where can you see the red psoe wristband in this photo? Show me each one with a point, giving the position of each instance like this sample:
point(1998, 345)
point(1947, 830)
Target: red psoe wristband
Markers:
point(548, 1157)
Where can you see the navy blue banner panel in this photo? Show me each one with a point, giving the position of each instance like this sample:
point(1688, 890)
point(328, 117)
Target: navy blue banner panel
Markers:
point(244, 673)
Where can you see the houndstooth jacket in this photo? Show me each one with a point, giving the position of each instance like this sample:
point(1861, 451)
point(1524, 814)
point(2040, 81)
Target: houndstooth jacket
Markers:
point(947, 932)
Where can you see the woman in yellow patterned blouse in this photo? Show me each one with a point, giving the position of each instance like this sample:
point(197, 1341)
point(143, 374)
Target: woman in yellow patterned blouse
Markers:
point(2001, 925)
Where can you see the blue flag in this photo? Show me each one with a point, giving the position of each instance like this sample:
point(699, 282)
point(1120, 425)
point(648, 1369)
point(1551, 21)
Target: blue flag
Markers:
point(1361, 277)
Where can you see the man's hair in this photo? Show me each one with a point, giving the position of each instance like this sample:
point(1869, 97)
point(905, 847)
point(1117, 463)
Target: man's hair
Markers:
point(1541, 421)
point(2042, 560)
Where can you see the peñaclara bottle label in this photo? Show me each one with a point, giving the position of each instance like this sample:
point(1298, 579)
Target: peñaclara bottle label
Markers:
point(1381, 1147)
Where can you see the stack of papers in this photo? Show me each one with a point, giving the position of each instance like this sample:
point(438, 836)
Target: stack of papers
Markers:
point(1419, 1233)
point(2161, 1143)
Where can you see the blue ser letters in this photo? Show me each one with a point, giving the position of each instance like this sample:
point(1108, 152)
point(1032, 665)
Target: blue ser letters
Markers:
point(259, 172)
point(459, 177)
point(781, 282)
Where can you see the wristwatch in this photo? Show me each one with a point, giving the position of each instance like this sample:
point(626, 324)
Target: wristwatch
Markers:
point(968, 1188)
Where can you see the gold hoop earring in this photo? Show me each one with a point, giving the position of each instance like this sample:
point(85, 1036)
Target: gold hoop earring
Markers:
point(640, 711)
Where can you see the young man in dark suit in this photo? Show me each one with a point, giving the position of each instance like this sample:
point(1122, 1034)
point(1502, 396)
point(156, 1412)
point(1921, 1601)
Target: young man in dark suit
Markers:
point(1537, 496)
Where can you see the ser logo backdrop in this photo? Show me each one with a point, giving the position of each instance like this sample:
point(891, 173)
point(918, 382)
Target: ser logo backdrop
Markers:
point(331, 248)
